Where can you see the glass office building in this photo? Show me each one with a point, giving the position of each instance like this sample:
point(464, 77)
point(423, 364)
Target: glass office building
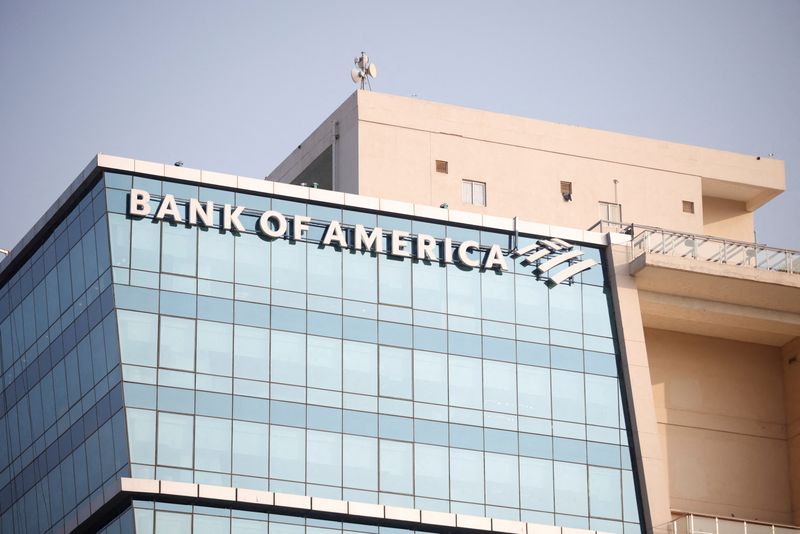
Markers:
point(206, 346)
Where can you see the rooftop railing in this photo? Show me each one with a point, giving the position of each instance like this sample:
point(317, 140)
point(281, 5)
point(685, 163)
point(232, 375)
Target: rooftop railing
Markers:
point(650, 239)
point(708, 524)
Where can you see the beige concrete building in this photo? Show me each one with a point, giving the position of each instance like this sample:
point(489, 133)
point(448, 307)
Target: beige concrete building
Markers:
point(710, 320)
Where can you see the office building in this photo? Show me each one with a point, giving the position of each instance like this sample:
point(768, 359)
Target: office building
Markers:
point(408, 326)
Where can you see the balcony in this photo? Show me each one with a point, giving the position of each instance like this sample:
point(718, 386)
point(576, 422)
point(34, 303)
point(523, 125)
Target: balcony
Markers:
point(712, 286)
point(649, 239)
point(707, 524)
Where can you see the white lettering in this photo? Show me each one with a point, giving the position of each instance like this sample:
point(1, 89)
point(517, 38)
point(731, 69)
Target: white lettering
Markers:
point(169, 208)
point(463, 253)
point(264, 224)
point(495, 259)
point(299, 225)
point(139, 203)
point(196, 210)
point(448, 250)
point(371, 242)
point(400, 247)
point(334, 234)
point(425, 247)
point(230, 219)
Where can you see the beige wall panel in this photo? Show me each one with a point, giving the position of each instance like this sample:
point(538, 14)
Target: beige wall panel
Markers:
point(399, 163)
point(722, 473)
point(720, 406)
point(726, 218)
point(791, 377)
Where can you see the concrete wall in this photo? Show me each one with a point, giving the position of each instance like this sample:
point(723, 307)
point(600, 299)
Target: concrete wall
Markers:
point(722, 422)
point(791, 381)
point(523, 161)
point(727, 218)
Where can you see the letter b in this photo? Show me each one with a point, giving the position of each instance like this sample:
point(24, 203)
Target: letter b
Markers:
point(139, 203)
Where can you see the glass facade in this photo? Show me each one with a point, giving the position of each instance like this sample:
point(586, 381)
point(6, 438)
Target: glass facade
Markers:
point(201, 355)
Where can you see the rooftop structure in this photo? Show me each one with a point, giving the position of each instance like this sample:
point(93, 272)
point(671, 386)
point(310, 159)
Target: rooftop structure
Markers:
point(584, 338)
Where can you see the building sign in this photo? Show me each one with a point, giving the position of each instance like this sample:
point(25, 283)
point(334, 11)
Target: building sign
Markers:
point(545, 253)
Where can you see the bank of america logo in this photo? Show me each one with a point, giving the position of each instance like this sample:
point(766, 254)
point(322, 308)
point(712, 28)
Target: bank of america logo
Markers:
point(551, 253)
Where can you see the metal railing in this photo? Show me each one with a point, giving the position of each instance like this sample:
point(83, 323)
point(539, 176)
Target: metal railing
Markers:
point(708, 524)
point(650, 239)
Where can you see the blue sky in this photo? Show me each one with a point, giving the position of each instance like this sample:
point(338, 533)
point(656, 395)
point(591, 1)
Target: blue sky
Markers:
point(234, 86)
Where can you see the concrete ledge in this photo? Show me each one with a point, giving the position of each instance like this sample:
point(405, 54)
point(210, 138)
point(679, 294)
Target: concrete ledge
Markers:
point(323, 195)
point(183, 489)
point(220, 493)
point(182, 173)
point(439, 518)
point(148, 167)
point(289, 190)
point(254, 184)
point(365, 509)
point(328, 505)
point(465, 217)
point(394, 206)
point(473, 522)
point(293, 501)
point(536, 528)
point(139, 485)
point(218, 178)
point(361, 201)
point(255, 496)
point(411, 515)
point(508, 526)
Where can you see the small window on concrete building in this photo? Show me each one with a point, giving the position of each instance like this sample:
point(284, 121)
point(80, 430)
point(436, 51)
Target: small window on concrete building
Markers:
point(441, 166)
point(566, 191)
point(473, 192)
point(688, 206)
point(610, 211)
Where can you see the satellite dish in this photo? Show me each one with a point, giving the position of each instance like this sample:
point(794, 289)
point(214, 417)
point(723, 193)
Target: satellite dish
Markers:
point(364, 71)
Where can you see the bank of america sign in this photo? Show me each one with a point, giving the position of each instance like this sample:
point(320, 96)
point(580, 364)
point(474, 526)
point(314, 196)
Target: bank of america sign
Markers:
point(545, 255)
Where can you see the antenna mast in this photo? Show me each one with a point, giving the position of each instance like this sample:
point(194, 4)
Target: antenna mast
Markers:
point(364, 71)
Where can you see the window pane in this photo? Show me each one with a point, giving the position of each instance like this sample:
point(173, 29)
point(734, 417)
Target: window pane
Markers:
point(394, 280)
point(466, 482)
point(499, 386)
point(287, 453)
point(602, 400)
point(360, 462)
point(251, 353)
point(536, 484)
point(212, 444)
point(568, 403)
point(431, 471)
point(395, 372)
point(324, 363)
point(214, 348)
point(605, 493)
point(142, 435)
point(430, 377)
point(570, 488)
point(360, 368)
point(178, 249)
point(324, 458)
point(325, 271)
point(250, 449)
point(466, 192)
point(288, 358)
point(534, 391)
point(252, 260)
point(175, 439)
point(360, 276)
point(215, 250)
point(465, 381)
point(397, 467)
point(176, 344)
point(138, 333)
point(502, 483)
point(479, 193)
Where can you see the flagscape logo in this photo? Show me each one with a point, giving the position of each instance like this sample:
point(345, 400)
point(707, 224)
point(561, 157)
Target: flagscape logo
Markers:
point(545, 253)
point(555, 252)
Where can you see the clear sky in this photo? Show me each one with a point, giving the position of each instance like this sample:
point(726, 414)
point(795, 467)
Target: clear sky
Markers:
point(234, 85)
